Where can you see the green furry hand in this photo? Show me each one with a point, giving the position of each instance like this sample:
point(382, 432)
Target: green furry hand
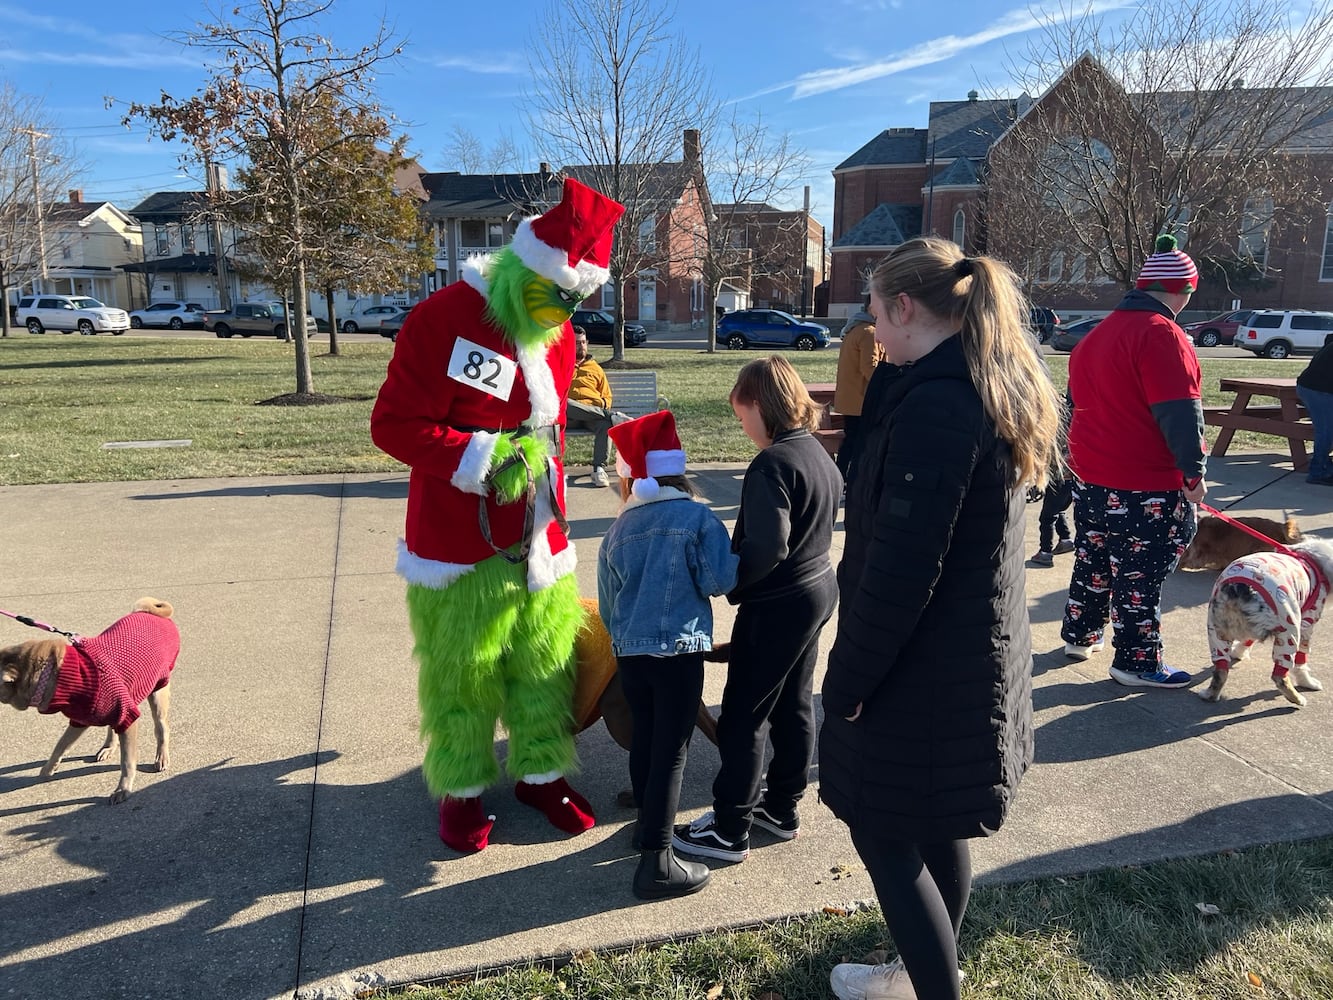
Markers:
point(507, 476)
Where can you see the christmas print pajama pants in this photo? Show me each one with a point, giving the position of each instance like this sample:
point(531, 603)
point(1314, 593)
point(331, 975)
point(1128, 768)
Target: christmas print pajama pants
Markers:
point(1128, 541)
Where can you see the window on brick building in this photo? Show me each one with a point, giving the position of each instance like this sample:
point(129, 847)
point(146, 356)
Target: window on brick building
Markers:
point(959, 227)
point(648, 235)
point(1055, 270)
point(1256, 221)
point(1326, 272)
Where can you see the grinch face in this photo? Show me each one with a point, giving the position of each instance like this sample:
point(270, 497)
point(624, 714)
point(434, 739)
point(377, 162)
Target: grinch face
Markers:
point(547, 303)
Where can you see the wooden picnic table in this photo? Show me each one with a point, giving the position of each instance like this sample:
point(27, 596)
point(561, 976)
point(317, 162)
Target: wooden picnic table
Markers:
point(1287, 419)
point(830, 432)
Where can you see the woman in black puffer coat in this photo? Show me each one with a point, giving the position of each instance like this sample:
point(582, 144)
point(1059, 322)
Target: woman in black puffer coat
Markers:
point(927, 697)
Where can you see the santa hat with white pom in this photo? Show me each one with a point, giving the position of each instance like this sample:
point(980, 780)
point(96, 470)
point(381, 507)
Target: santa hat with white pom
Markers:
point(648, 447)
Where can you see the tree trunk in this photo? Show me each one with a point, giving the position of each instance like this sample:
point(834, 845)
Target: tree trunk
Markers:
point(333, 320)
point(4, 298)
point(618, 330)
point(305, 380)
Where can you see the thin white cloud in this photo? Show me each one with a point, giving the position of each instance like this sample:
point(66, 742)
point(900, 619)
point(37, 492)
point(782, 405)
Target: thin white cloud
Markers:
point(933, 51)
point(503, 63)
point(108, 60)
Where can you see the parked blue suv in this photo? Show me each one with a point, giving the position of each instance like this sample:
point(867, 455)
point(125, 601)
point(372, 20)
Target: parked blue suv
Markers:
point(769, 328)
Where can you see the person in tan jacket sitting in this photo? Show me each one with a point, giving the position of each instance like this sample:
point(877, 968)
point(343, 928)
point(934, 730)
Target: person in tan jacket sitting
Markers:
point(589, 404)
point(857, 359)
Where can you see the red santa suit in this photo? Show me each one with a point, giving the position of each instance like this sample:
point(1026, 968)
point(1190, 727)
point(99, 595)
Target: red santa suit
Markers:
point(420, 418)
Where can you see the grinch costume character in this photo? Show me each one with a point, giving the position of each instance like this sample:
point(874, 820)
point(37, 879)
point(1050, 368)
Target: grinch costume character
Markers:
point(474, 403)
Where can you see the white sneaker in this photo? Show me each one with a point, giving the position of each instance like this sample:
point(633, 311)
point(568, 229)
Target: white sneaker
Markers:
point(599, 476)
point(872, 982)
point(1077, 652)
point(875, 982)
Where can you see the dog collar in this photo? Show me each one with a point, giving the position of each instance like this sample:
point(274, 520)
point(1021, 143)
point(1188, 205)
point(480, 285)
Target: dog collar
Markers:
point(45, 679)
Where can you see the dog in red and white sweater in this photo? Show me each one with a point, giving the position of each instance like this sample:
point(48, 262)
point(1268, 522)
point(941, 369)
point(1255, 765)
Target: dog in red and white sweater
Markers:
point(100, 681)
point(1270, 595)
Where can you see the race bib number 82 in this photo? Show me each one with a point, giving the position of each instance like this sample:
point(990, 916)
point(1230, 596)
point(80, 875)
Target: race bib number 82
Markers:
point(482, 369)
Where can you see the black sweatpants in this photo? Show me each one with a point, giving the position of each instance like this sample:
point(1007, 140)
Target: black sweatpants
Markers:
point(663, 693)
point(923, 891)
point(1057, 498)
point(769, 694)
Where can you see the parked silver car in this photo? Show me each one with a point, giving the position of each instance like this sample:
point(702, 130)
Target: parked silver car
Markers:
point(174, 315)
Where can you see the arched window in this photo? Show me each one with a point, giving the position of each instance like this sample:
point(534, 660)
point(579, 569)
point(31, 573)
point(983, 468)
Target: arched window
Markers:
point(1256, 220)
point(1326, 272)
point(959, 227)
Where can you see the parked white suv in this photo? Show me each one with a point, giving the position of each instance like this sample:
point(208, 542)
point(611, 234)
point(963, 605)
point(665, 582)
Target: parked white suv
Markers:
point(68, 313)
point(1280, 333)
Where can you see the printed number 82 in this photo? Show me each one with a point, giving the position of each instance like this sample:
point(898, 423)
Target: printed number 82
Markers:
point(472, 370)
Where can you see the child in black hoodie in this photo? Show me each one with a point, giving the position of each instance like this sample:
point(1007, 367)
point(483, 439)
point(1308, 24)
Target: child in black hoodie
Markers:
point(786, 591)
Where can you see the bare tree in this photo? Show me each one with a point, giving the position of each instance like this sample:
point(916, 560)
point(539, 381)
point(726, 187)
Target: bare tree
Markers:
point(614, 90)
point(36, 169)
point(748, 172)
point(1193, 118)
point(464, 152)
point(275, 78)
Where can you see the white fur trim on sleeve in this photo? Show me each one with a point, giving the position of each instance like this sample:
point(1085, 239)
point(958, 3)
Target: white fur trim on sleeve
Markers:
point(545, 401)
point(475, 463)
point(475, 272)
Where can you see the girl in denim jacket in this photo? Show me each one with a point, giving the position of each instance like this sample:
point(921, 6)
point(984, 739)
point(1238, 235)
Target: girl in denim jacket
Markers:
point(659, 564)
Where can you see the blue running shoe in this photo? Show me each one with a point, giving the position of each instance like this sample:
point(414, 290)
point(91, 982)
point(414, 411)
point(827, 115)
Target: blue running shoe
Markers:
point(1163, 677)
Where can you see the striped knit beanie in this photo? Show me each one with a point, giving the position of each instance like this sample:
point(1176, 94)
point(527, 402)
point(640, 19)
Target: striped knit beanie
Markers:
point(1168, 270)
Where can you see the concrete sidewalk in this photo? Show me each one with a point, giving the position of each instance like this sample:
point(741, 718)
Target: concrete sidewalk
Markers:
point(293, 846)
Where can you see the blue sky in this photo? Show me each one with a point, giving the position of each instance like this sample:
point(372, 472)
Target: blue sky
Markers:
point(832, 72)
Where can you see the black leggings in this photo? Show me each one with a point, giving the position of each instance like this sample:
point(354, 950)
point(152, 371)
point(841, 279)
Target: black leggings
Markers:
point(923, 891)
point(663, 694)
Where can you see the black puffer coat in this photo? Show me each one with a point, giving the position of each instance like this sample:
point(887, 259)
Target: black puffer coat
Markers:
point(933, 635)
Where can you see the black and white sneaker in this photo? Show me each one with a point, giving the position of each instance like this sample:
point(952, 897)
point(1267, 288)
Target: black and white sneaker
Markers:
point(700, 839)
point(783, 829)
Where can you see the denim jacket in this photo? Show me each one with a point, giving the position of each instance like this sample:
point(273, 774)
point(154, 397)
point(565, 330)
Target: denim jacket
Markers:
point(659, 564)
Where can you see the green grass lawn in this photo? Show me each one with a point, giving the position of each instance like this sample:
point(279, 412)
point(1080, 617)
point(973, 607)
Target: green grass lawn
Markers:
point(64, 397)
point(1121, 934)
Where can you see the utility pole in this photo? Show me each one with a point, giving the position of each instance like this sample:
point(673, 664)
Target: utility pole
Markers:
point(212, 173)
point(33, 135)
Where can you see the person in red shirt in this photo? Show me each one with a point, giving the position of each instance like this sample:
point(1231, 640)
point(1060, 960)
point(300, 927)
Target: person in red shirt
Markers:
point(1136, 445)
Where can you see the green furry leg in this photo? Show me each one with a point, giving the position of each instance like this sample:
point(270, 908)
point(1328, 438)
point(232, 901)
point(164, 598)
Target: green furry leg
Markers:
point(485, 645)
point(539, 674)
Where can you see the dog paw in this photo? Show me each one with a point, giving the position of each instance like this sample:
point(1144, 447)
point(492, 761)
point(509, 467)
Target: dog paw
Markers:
point(1208, 694)
point(119, 796)
point(101, 755)
point(163, 762)
point(48, 770)
point(1308, 683)
point(1289, 692)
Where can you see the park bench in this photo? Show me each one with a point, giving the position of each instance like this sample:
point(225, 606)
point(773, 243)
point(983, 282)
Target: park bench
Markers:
point(633, 393)
point(830, 431)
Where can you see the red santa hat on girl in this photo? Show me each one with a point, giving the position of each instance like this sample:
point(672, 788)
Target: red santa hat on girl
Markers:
point(571, 244)
point(1168, 270)
point(648, 447)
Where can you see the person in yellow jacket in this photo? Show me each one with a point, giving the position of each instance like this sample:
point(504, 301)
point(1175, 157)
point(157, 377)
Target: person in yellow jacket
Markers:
point(588, 404)
point(857, 359)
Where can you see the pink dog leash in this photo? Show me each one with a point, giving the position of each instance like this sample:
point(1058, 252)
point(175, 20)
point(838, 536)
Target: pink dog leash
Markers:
point(28, 620)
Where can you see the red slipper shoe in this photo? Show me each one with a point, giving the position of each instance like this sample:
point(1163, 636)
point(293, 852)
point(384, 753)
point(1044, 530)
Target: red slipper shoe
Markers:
point(566, 809)
point(463, 824)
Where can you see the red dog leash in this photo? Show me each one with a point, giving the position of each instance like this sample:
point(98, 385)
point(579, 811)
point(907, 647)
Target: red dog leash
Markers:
point(1277, 546)
point(27, 620)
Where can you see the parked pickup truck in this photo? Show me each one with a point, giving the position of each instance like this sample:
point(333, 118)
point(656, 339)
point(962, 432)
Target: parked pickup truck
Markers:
point(249, 318)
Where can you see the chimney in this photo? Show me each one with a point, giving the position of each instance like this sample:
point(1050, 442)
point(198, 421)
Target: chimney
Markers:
point(75, 196)
point(972, 96)
point(691, 145)
point(544, 169)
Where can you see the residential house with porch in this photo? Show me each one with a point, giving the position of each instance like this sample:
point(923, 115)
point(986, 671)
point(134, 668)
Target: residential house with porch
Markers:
point(87, 244)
